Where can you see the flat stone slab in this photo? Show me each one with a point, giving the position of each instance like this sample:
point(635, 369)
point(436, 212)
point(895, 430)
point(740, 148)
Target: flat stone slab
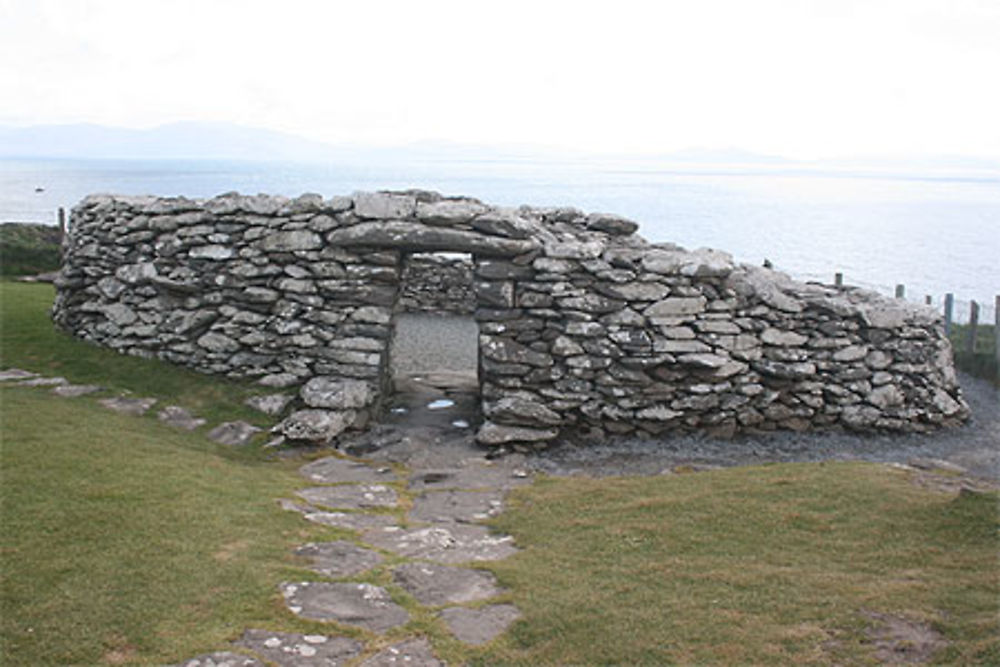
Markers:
point(178, 417)
point(331, 470)
point(362, 605)
point(412, 653)
point(42, 382)
point(348, 520)
point(435, 585)
point(74, 390)
point(16, 374)
point(295, 650)
point(236, 433)
point(221, 659)
point(128, 406)
point(339, 558)
point(351, 496)
point(473, 475)
point(271, 404)
point(443, 543)
point(478, 626)
point(451, 505)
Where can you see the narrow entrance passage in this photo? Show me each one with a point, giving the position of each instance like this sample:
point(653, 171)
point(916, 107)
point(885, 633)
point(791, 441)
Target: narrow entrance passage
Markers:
point(433, 358)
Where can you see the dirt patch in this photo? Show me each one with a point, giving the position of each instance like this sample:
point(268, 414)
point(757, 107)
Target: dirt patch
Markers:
point(899, 640)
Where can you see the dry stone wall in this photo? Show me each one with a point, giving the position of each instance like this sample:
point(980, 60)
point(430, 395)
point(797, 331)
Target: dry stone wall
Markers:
point(585, 328)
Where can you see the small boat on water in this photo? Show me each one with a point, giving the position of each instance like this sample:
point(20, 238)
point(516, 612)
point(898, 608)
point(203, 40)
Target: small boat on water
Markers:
point(39, 189)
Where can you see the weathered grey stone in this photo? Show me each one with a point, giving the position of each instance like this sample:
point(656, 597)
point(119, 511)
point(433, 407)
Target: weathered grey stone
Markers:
point(361, 605)
point(436, 585)
point(337, 394)
point(236, 433)
point(270, 404)
point(449, 212)
point(221, 659)
point(333, 470)
point(120, 314)
point(213, 251)
point(497, 434)
point(782, 338)
point(384, 205)
point(886, 396)
point(351, 496)
point(296, 650)
point(279, 380)
point(518, 410)
point(852, 353)
point(290, 241)
point(676, 307)
point(658, 413)
point(419, 238)
point(16, 374)
point(217, 342)
point(74, 390)
point(443, 543)
point(178, 417)
point(479, 626)
point(339, 558)
point(610, 223)
point(128, 406)
point(357, 521)
point(505, 350)
point(451, 505)
point(412, 653)
point(136, 273)
point(316, 425)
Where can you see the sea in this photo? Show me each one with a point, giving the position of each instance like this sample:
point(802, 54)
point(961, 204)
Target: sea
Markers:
point(934, 233)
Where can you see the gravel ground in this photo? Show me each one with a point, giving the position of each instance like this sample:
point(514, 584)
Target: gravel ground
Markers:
point(975, 447)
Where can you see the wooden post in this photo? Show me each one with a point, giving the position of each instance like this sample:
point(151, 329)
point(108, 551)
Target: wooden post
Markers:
point(970, 345)
point(838, 279)
point(996, 329)
point(928, 300)
point(949, 306)
point(900, 291)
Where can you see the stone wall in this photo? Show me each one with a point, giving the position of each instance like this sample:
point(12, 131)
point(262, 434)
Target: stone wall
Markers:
point(585, 328)
point(433, 283)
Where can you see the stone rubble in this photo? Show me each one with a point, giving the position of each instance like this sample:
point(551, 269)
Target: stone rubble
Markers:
point(586, 330)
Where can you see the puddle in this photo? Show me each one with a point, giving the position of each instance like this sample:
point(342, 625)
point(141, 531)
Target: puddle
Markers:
point(399, 411)
point(460, 423)
point(440, 404)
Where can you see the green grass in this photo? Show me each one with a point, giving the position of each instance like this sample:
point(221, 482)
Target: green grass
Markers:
point(27, 249)
point(125, 541)
point(982, 361)
point(29, 340)
point(746, 566)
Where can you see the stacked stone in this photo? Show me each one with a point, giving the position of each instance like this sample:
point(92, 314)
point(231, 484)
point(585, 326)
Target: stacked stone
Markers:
point(584, 326)
point(436, 284)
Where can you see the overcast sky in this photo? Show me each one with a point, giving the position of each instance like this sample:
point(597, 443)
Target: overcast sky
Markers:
point(798, 78)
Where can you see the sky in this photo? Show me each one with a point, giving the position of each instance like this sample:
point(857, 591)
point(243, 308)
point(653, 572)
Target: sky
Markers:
point(808, 79)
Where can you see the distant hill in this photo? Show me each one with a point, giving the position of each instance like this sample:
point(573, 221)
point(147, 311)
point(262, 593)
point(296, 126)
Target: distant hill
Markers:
point(187, 140)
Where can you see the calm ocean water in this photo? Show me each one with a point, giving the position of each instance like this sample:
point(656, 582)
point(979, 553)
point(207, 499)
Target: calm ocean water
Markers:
point(933, 234)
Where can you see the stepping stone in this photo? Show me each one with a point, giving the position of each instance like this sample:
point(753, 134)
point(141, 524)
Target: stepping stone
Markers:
point(348, 520)
point(471, 476)
point(331, 470)
point(351, 496)
point(435, 585)
point(236, 433)
point(221, 659)
point(339, 559)
point(128, 406)
point(178, 417)
point(462, 506)
point(16, 374)
point(74, 390)
point(443, 543)
point(361, 605)
point(271, 404)
point(42, 382)
point(412, 653)
point(295, 650)
point(478, 626)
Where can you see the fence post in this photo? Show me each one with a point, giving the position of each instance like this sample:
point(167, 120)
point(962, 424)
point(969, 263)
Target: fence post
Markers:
point(928, 300)
point(970, 345)
point(996, 329)
point(838, 279)
point(900, 291)
point(949, 306)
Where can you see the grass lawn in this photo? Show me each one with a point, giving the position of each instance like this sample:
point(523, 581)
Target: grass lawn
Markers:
point(125, 541)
